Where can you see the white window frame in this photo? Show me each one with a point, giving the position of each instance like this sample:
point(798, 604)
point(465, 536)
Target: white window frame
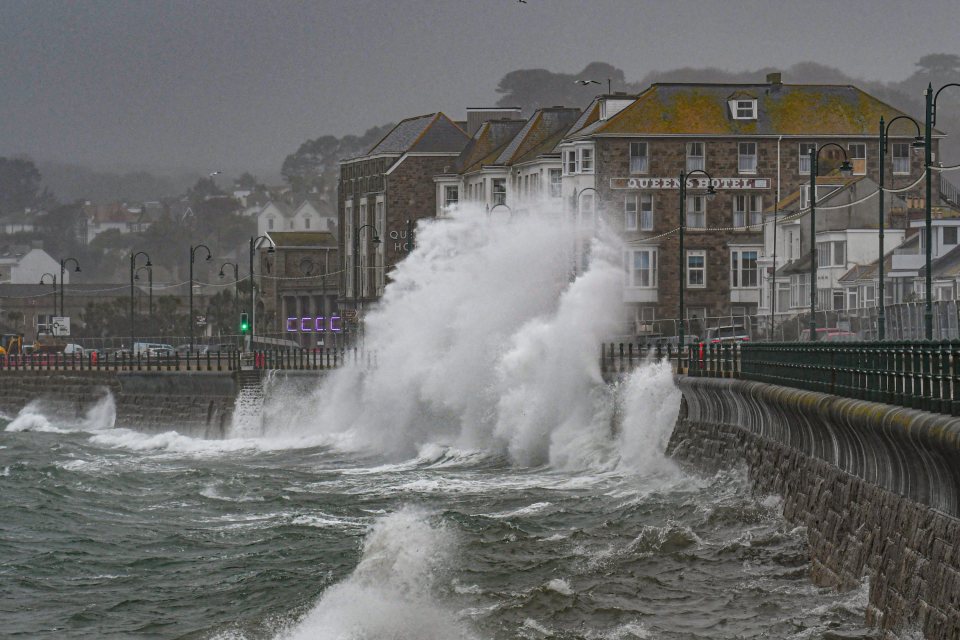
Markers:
point(646, 211)
point(634, 274)
point(741, 156)
point(900, 161)
point(556, 182)
point(449, 202)
point(498, 196)
point(631, 212)
point(571, 162)
point(854, 159)
point(639, 163)
point(803, 157)
point(696, 161)
point(692, 211)
point(586, 160)
point(702, 269)
point(745, 109)
point(738, 271)
point(749, 208)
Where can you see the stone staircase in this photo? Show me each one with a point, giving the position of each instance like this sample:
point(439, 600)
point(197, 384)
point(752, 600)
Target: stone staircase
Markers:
point(248, 410)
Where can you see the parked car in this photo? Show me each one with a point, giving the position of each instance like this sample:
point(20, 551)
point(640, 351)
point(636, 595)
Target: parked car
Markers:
point(829, 334)
point(727, 333)
point(73, 349)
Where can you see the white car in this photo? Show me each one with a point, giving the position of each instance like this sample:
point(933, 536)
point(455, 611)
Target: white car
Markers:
point(73, 349)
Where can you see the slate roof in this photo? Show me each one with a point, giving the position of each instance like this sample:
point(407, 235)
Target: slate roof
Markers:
point(543, 125)
point(787, 109)
point(431, 132)
point(285, 210)
point(487, 143)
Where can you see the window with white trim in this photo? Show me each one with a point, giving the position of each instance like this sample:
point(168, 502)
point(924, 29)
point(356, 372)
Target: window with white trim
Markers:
point(857, 154)
point(695, 156)
point(744, 273)
point(696, 269)
point(499, 191)
point(646, 212)
point(451, 195)
point(949, 236)
point(270, 223)
point(641, 267)
point(747, 210)
point(571, 163)
point(556, 180)
point(852, 298)
point(868, 295)
point(747, 157)
point(832, 254)
point(745, 110)
point(380, 249)
point(803, 162)
point(901, 158)
point(638, 157)
point(631, 212)
point(586, 160)
point(697, 211)
point(306, 222)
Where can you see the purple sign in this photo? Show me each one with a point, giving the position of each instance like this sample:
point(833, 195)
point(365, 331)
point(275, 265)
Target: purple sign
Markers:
point(310, 324)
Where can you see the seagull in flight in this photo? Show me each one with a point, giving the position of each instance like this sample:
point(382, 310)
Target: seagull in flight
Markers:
point(585, 82)
point(216, 173)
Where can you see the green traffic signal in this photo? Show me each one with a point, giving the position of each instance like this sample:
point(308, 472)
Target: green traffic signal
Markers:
point(244, 323)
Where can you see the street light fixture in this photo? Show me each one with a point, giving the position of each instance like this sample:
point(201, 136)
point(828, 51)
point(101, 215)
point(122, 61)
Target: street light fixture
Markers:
point(62, 279)
point(931, 119)
point(254, 245)
point(846, 170)
point(136, 276)
point(193, 257)
point(711, 193)
point(917, 144)
point(356, 258)
point(133, 269)
point(54, 281)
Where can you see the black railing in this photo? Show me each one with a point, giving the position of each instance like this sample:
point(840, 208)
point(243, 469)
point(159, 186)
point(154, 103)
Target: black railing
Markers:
point(921, 375)
point(290, 359)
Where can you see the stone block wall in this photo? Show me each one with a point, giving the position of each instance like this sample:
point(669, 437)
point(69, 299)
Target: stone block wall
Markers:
point(874, 485)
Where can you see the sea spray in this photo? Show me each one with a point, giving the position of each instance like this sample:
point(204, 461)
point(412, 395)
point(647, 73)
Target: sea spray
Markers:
point(650, 404)
point(393, 591)
point(482, 342)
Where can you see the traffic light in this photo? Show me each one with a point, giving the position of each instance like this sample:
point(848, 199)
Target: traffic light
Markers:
point(244, 323)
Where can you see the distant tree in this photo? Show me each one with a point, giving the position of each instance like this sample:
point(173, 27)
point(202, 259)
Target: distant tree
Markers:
point(19, 185)
point(945, 65)
point(531, 89)
point(247, 181)
point(203, 189)
point(220, 313)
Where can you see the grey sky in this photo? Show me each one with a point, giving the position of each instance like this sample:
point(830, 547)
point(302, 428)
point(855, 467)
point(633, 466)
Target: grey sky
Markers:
point(235, 85)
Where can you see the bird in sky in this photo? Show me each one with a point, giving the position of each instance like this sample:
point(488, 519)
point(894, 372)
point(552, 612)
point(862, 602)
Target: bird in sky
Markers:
point(585, 82)
point(522, 1)
point(215, 173)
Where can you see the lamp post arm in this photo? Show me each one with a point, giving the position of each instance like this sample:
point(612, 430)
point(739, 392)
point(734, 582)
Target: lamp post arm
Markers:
point(933, 112)
point(886, 132)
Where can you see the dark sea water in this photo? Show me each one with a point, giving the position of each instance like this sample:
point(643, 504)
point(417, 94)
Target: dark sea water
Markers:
point(115, 534)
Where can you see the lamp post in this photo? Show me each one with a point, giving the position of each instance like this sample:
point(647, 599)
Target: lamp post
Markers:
point(54, 281)
point(136, 276)
point(236, 285)
point(254, 244)
point(63, 269)
point(930, 120)
point(133, 268)
point(193, 257)
point(711, 192)
point(356, 257)
point(846, 170)
point(918, 143)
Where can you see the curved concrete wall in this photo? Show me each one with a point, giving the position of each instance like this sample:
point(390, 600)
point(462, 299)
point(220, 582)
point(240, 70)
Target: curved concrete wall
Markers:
point(876, 487)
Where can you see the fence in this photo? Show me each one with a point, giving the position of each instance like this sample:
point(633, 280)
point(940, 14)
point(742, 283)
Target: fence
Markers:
point(921, 375)
point(288, 359)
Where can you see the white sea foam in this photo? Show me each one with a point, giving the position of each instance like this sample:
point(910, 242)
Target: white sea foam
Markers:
point(651, 402)
point(392, 593)
point(559, 585)
point(35, 417)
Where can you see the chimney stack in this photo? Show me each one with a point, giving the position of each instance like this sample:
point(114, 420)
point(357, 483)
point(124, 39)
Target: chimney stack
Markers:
point(775, 79)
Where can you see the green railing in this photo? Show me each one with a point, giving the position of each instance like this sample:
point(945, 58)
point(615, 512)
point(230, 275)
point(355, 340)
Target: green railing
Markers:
point(921, 375)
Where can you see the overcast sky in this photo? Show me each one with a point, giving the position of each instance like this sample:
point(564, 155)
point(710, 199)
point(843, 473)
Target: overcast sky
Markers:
point(239, 84)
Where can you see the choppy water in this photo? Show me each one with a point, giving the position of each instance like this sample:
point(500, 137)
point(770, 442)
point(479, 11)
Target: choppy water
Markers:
point(131, 535)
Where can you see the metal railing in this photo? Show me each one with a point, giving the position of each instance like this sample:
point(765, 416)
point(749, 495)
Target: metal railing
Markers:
point(921, 374)
point(286, 359)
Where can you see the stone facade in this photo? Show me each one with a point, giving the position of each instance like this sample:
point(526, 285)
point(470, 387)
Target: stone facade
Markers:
point(888, 512)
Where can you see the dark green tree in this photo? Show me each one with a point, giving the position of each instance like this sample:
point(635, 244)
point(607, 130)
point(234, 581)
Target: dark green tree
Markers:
point(19, 185)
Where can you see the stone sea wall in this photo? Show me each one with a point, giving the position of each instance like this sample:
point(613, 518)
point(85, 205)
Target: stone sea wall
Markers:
point(196, 403)
point(877, 488)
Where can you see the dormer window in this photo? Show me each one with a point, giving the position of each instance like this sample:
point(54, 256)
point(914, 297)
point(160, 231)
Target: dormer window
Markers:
point(745, 110)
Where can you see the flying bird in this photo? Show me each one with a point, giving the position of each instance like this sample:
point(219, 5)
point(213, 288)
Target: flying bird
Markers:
point(215, 173)
point(522, 1)
point(585, 82)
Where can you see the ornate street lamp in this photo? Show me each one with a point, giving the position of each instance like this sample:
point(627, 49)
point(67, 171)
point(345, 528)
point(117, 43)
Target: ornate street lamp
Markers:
point(845, 170)
point(918, 143)
point(931, 120)
point(236, 286)
point(193, 257)
point(62, 279)
point(133, 269)
point(711, 193)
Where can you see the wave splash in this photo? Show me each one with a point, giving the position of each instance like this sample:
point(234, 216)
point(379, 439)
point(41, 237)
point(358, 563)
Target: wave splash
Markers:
point(394, 590)
point(36, 416)
point(483, 343)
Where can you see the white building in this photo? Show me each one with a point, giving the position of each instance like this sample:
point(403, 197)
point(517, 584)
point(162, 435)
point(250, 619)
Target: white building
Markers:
point(276, 215)
point(25, 265)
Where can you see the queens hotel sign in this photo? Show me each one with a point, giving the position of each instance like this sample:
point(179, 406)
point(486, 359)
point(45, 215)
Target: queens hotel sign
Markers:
point(692, 183)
